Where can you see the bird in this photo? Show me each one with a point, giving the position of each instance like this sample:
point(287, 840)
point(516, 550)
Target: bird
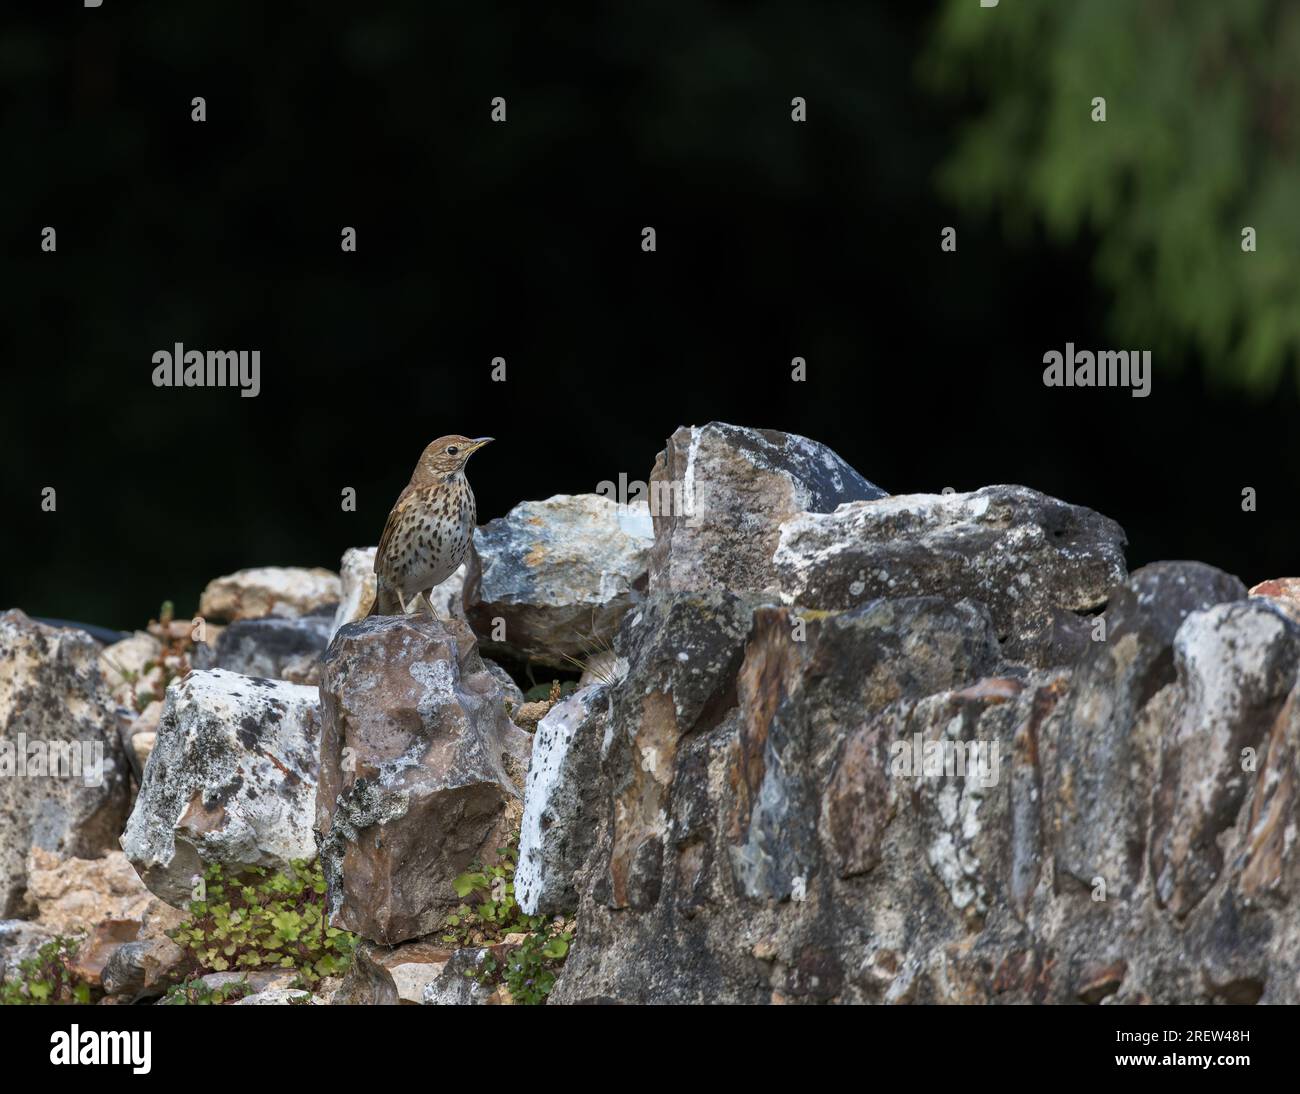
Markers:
point(429, 529)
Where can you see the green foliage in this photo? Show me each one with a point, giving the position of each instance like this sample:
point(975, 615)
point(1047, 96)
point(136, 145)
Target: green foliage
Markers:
point(47, 978)
point(264, 920)
point(490, 914)
point(530, 971)
point(195, 993)
point(1199, 142)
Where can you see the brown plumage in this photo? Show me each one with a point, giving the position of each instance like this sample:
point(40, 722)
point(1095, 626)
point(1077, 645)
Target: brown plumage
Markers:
point(428, 532)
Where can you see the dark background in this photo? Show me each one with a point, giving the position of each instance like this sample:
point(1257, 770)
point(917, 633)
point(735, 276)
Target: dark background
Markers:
point(523, 241)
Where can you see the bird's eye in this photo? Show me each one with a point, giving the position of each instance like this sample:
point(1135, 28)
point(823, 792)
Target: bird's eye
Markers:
point(452, 450)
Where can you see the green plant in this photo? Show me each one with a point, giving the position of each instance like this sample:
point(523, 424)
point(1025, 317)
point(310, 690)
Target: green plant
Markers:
point(490, 916)
point(264, 920)
point(195, 993)
point(1197, 145)
point(530, 971)
point(47, 977)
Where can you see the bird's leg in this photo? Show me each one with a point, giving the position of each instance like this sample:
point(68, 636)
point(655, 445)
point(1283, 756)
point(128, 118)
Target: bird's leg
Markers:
point(428, 603)
point(401, 600)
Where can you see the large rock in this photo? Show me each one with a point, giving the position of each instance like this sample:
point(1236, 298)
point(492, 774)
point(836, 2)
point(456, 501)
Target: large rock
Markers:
point(720, 493)
point(286, 591)
point(720, 745)
point(273, 647)
point(560, 802)
point(1031, 560)
point(559, 574)
point(873, 805)
point(420, 772)
point(231, 780)
point(1108, 729)
point(73, 894)
point(1236, 664)
point(64, 780)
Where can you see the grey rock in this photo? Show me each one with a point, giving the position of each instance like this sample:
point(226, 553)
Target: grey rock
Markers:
point(64, 779)
point(1108, 740)
point(560, 802)
point(559, 574)
point(389, 976)
point(285, 591)
point(279, 997)
point(720, 493)
point(453, 987)
point(1032, 560)
point(231, 780)
point(143, 969)
point(510, 691)
point(1236, 665)
point(273, 648)
point(719, 747)
point(421, 772)
point(20, 939)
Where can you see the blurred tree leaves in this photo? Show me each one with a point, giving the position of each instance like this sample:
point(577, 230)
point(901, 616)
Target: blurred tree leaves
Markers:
point(1200, 141)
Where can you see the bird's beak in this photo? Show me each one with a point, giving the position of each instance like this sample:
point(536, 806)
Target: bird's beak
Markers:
point(478, 443)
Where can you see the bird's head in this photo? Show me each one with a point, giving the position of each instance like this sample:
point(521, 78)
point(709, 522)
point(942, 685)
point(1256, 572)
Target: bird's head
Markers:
point(447, 455)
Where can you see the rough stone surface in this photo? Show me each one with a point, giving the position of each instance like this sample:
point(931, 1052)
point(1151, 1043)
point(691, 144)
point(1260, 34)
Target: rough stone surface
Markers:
point(273, 648)
point(388, 976)
point(933, 749)
point(1111, 723)
point(279, 997)
point(421, 771)
point(231, 779)
point(510, 691)
point(720, 742)
point(720, 493)
point(887, 808)
point(560, 573)
point(285, 591)
point(452, 987)
point(71, 895)
point(557, 831)
point(99, 945)
point(1030, 559)
point(55, 715)
point(1236, 664)
point(20, 939)
point(142, 969)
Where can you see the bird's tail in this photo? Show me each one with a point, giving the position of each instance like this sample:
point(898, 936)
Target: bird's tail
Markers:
point(386, 602)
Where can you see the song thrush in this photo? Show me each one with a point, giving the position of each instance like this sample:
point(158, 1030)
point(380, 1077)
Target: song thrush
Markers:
point(428, 532)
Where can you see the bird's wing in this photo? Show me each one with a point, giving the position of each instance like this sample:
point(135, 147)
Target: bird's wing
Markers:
point(389, 525)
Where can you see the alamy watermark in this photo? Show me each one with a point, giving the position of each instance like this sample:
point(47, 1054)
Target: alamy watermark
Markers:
point(665, 497)
point(179, 367)
point(24, 759)
point(917, 758)
point(1105, 368)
